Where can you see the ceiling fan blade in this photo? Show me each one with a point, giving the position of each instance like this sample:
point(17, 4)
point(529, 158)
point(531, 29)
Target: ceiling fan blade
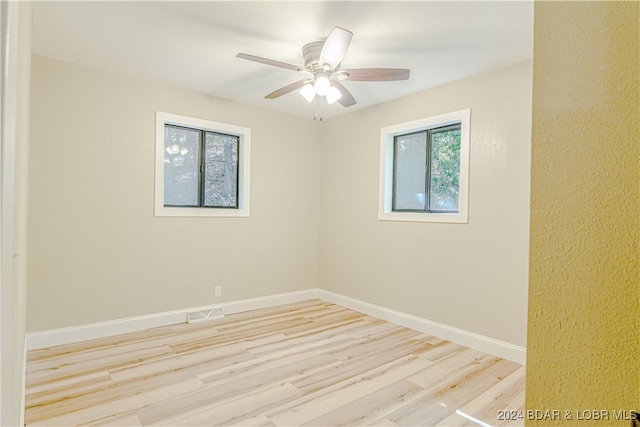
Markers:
point(335, 47)
point(269, 62)
point(346, 100)
point(377, 74)
point(288, 88)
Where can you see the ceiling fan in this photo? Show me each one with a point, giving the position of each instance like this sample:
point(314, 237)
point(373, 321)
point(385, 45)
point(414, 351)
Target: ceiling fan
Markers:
point(322, 71)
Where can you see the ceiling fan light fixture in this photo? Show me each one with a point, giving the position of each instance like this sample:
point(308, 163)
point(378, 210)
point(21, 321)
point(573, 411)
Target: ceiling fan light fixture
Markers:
point(308, 92)
point(322, 84)
point(323, 75)
point(333, 94)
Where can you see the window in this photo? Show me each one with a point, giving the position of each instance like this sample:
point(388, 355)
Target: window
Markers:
point(202, 167)
point(424, 169)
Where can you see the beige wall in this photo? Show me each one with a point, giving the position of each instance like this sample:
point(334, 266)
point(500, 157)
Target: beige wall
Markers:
point(98, 253)
point(471, 276)
point(583, 340)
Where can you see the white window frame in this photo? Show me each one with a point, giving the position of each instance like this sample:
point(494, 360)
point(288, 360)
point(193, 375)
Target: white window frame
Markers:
point(387, 134)
point(244, 165)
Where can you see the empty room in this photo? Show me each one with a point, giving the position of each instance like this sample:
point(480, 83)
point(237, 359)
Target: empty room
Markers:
point(320, 213)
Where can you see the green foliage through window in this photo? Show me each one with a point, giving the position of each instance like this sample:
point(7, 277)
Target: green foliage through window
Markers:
point(445, 170)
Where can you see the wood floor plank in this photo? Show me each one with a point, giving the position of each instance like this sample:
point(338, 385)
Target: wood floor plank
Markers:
point(367, 409)
point(235, 386)
point(236, 410)
point(307, 363)
point(297, 343)
point(508, 394)
point(311, 406)
point(64, 371)
point(120, 406)
point(257, 421)
point(384, 422)
point(98, 343)
point(376, 343)
point(450, 368)
point(201, 359)
point(357, 364)
point(451, 391)
point(127, 420)
point(332, 325)
point(374, 327)
point(35, 390)
point(103, 395)
point(439, 349)
point(52, 392)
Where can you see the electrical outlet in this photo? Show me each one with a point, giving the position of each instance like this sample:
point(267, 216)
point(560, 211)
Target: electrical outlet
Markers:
point(217, 291)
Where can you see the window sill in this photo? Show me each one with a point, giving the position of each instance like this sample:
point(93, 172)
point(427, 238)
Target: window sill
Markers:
point(452, 218)
point(162, 211)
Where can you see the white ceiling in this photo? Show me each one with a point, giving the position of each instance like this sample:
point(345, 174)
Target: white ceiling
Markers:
point(193, 45)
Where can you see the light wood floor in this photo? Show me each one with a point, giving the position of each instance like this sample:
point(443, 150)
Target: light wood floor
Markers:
point(310, 363)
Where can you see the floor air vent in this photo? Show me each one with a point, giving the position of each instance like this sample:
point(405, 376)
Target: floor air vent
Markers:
point(204, 314)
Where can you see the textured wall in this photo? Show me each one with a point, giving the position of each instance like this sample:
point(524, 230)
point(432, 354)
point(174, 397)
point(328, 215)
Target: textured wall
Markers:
point(584, 288)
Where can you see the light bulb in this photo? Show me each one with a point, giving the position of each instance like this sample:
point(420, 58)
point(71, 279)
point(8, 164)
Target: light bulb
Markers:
point(307, 92)
point(322, 84)
point(333, 94)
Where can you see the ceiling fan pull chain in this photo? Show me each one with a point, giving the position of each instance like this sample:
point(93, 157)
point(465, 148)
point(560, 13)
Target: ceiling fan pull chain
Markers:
point(318, 114)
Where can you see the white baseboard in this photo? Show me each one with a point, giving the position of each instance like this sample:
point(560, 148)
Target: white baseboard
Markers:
point(23, 398)
point(468, 339)
point(120, 326)
point(50, 338)
point(269, 301)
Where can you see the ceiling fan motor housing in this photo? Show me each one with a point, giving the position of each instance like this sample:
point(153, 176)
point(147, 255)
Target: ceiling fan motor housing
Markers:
point(311, 54)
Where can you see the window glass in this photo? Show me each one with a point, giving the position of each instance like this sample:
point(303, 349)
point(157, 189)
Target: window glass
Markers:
point(410, 172)
point(221, 170)
point(426, 170)
point(181, 166)
point(444, 175)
